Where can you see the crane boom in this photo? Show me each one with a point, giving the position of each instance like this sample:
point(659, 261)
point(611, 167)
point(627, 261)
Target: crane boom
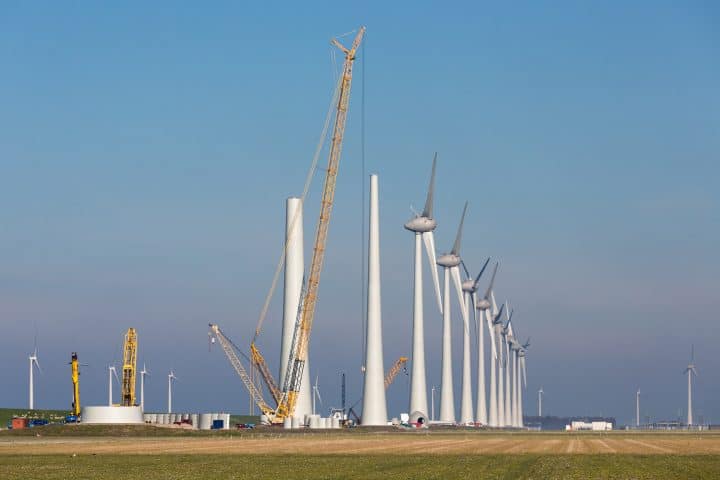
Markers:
point(235, 361)
point(291, 386)
point(75, 375)
point(129, 368)
point(394, 370)
point(259, 361)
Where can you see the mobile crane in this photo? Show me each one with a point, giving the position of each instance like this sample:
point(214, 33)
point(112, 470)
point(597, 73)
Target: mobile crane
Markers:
point(127, 398)
point(75, 376)
point(287, 397)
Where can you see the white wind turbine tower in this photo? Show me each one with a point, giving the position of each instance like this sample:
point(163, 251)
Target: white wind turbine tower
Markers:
point(637, 409)
point(540, 395)
point(469, 288)
point(483, 306)
point(500, 385)
point(422, 225)
point(521, 369)
point(171, 377)
point(111, 372)
point(508, 366)
point(517, 409)
point(143, 374)
point(495, 361)
point(33, 359)
point(690, 371)
point(451, 268)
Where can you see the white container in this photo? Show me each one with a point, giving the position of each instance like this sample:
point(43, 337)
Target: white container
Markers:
point(287, 423)
point(194, 419)
point(226, 421)
point(205, 422)
point(297, 422)
point(314, 421)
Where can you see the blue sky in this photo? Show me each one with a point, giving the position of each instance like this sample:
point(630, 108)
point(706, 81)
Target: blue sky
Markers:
point(146, 152)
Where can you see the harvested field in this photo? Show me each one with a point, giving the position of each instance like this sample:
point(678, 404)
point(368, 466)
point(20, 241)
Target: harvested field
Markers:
point(400, 444)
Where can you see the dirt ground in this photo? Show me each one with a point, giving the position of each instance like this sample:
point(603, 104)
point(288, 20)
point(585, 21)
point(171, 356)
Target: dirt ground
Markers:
point(373, 444)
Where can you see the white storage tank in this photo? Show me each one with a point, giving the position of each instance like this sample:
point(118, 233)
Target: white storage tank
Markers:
point(314, 421)
point(205, 421)
point(226, 421)
point(215, 416)
point(287, 423)
point(335, 422)
point(105, 414)
point(194, 420)
point(297, 422)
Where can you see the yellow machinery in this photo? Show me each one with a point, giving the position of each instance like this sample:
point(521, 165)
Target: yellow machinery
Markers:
point(127, 398)
point(75, 368)
point(287, 397)
point(392, 373)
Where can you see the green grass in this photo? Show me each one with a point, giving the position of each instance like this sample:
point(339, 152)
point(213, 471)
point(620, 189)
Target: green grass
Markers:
point(150, 467)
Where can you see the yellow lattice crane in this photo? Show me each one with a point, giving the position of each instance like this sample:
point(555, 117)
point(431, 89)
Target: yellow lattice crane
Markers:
point(127, 398)
point(306, 311)
point(394, 370)
point(75, 369)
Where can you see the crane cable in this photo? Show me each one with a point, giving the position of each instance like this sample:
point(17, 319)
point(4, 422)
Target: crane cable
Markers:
point(308, 182)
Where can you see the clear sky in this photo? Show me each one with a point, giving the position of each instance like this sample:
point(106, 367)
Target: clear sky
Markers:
point(146, 149)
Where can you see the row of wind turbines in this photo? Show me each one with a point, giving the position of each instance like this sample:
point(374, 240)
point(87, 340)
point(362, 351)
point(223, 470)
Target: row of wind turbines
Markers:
point(507, 358)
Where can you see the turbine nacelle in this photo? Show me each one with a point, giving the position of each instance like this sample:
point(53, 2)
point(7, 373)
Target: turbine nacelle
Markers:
point(449, 260)
point(469, 286)
point(421, 224)
point(483, 304)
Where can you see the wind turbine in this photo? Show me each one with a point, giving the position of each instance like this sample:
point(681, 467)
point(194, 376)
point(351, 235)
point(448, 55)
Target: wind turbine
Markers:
point(521, 358)
point(143, 373)
point(510, 373)
point(483, 306)
point(171, 377)
point(33, 359)
point(111, 372)
point(316, 394)
point(690, 371)
point(469, 288)
point(637, 409)
point(451, 268)
point(500, 385)
point(422, 225)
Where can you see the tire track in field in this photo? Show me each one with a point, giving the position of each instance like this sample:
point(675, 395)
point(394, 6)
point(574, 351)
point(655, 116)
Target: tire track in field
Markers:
point(604, 444)
point(649, 445)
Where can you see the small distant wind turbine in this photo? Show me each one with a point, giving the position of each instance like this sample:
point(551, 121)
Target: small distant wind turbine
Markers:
point(540, 395)
point(143, 373)
point(33, 359)
point(171, 377)
point(111, 372)
point(690, 371)
point(637, 409)
point(316, 394)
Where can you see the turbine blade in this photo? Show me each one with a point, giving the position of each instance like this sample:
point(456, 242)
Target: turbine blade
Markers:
point(429, 240)
point(467, 272)
point(455, 274)
point(492, 282)
point(477, 279)
point(524, 372)
point(494, 304)
point(499, 313)
point(458, 237)
point(428, 211)
point(37, 364)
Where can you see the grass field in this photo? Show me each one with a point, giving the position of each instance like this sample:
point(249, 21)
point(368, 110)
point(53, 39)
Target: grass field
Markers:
point(148, 453)
point(151, 467)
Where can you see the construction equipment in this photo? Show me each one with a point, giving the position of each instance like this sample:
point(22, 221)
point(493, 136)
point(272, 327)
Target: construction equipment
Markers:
point(301, 336)
point(229, 348)
point(306, 308)
point(75, 369)
point(400, 364)
point(127, 398)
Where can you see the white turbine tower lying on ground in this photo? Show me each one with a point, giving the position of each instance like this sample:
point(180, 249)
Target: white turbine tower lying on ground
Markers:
point(171, 377)
point(422, 225)
point(143, 374)
point(111, 372)
point(451, 268)
point(469, 287)
point(690, 371)
point(483, 306)
point(33, 360)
